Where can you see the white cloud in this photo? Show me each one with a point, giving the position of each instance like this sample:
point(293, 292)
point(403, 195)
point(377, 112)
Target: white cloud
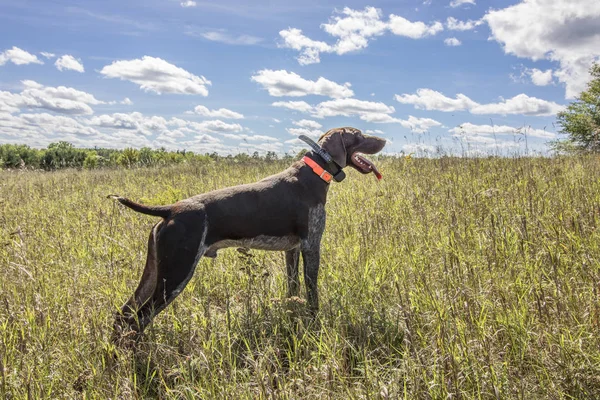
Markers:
point(283, 83)
point(48, 55)
point(215, 126)
point(309, 49)
point(379, 118)
point(251, 138)
point(157, 125)
point(429, 99)
point(301, 106)
point(350, 107)
point(541, 78)
point(126, 101)
point(296, 142)
point(374, 132)
point(68, 62)
point(469, 129)
point(48, 124)
point(562, 31)
point(188, 3)
point(227, 38)
point(205, 139)
point(418, 148)
point(133, 121)
point(520, 104)
point(369, 111)
point(157, 75)
point(313, 133)
point(484, 146)
point(117, 120)
point(307, 123)
point(39, 130)
point(120, 130)
point(419, 125)
point(261, 148)
point(455, 25)
point(205, 144)
point(452, 42)
point(60, 99)
point(220, 113)
point(458, 3)
point(415, 30)
point(18, 56)
point(353, 29)
point(177, 122)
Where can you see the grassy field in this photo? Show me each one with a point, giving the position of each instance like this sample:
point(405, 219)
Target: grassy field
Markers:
point(450, 278)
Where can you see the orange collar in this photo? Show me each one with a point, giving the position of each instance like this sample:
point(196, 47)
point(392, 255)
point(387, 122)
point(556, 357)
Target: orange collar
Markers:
point(317, 169)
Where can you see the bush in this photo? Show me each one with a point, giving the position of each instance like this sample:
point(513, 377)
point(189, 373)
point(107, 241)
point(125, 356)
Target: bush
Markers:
point(129, 157)
point(62, 155)
point(18, 156)
point(91, 160)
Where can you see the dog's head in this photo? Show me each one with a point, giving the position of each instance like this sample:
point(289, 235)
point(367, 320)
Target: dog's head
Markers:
point(346, 145)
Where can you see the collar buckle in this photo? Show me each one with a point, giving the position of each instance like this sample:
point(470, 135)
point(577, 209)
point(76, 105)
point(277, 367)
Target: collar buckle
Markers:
point(326, 176)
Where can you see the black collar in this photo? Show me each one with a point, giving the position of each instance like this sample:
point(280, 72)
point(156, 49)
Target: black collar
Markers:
point(332, 167)
point(319, 154)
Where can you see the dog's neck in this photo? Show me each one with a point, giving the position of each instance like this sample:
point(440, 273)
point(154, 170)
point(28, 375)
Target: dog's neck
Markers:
point(313, 155)
point(313, 181)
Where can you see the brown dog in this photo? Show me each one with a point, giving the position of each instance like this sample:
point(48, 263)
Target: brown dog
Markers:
point(283, 212)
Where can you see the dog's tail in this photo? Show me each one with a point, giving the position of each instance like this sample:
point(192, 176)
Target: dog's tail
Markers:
point(157, 211)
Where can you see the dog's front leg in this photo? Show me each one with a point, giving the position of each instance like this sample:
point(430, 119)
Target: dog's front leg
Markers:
point(292, 258)
point(311, 255)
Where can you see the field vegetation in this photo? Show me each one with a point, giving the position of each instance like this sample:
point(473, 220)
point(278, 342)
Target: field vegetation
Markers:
point(452, 278)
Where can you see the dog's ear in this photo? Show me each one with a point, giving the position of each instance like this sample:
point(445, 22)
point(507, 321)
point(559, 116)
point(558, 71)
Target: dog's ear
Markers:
point(333, 143)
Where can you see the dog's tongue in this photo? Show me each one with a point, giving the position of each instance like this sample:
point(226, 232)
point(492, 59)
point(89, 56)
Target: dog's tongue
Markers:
point(376, 172)
point(373, 168)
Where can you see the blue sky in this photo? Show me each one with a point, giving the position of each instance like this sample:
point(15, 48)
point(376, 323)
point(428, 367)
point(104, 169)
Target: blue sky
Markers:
point(229, 76)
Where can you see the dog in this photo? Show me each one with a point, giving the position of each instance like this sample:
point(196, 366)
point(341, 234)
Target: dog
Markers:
point(283, 212)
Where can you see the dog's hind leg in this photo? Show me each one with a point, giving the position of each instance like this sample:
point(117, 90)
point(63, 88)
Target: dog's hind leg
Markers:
point(128, 314)
point(179, 245)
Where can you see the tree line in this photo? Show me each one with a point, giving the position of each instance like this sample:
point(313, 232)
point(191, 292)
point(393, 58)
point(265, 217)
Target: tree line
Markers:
point(64, 155)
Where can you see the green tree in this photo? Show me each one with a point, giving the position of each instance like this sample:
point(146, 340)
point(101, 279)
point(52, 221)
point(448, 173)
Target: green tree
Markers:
point(30, 157)
point(91, 160)
point(147, 157)
point(9, 156)
point(62, 155)
point(129, 157)
point(581, 119)
point(18, 156)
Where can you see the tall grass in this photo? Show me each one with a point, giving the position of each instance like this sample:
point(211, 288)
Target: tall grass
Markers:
point(451, 278)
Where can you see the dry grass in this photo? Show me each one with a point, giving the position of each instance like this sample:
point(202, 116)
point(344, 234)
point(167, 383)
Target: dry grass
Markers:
point(452, 278)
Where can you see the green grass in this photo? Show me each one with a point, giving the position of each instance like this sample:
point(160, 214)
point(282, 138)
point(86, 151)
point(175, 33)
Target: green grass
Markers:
point(450, 278)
